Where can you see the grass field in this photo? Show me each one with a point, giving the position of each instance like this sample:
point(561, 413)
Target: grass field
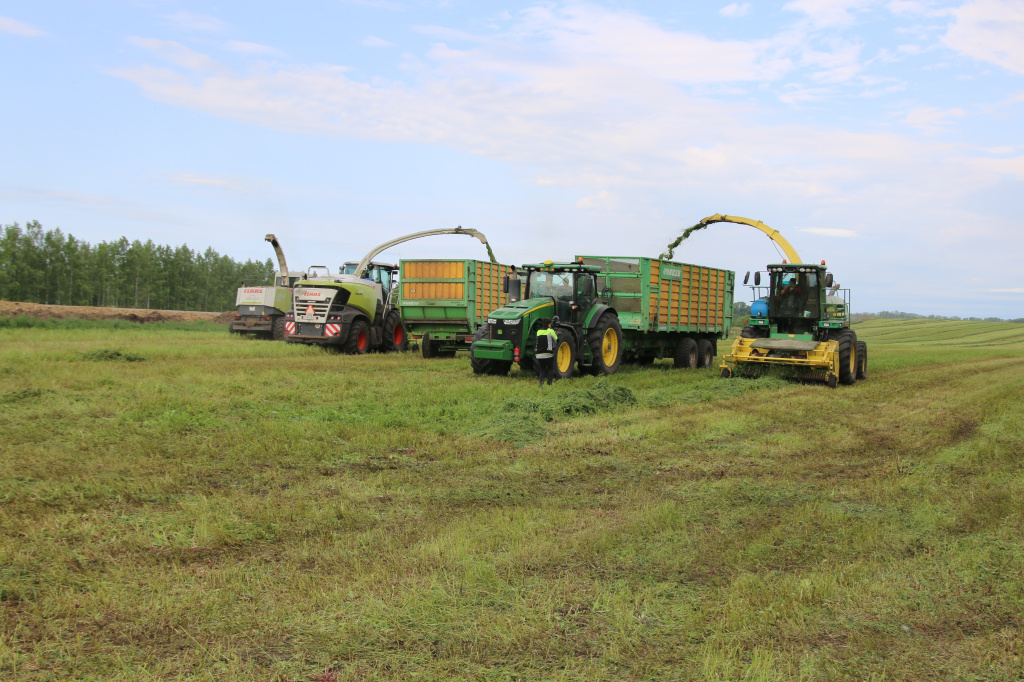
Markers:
point(178, 504)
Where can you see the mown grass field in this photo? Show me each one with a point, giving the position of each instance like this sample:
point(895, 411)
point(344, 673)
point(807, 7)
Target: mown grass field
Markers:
point(222, 508)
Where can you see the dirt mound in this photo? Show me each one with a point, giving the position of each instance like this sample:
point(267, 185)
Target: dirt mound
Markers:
point(83, 312)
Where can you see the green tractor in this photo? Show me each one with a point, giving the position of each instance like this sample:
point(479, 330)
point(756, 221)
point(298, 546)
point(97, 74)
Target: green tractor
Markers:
point(588, 330)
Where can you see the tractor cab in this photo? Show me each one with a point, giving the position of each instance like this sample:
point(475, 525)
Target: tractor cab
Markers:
point(571, 286)
point(800, 301)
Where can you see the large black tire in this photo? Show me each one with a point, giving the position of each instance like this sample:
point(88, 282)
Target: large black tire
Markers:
point(751, 332)
point(394, 338)
point(427, 347)
point(484, 365)
point(862, 360)
point(358, 341)
point(705, 353)
point(685, 354)
point(565, 355)
point(528, 365)
point(847, 357)
point(277, 331)
point(605, 341)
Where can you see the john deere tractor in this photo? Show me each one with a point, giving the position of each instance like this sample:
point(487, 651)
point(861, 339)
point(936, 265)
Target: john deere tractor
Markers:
point(800, 321)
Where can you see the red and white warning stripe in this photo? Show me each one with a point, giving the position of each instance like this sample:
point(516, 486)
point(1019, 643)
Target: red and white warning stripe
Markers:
point(332, 329)
point(289, 327)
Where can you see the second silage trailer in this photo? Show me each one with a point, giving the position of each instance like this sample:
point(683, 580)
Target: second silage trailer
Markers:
point(443, 302)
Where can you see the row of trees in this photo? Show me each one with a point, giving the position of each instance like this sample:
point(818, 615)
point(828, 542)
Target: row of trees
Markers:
point(47, 266)
point(899, 315)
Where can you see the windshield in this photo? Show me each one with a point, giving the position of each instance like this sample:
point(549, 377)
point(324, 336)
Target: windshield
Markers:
point(557, 285)
point(794, 294)
point(349, 268)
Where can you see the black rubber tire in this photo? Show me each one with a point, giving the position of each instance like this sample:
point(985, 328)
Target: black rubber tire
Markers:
point(528, 365)
point(565, 342)
point(395, 340)
point(862, 360)
point(483, 365)
point(596, 340)
point(358, 341)
point(685, 354)
point(726, 373)
point(427, 347)
point(277, 330)
point(847, 357)
point(644, 360)
point(705, 353)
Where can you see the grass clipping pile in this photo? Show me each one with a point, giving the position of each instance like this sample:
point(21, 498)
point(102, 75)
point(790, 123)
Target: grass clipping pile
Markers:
point(83, 312)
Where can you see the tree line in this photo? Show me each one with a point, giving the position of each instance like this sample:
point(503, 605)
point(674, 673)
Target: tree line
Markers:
point(47, 266)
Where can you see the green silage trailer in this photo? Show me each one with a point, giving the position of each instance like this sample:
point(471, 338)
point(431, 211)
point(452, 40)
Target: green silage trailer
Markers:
point(442, 302)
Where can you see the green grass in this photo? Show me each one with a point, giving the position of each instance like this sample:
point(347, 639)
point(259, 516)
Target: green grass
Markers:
point(226, 508)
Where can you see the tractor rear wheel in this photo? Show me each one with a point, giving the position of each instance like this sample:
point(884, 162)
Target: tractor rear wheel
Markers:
point(862, 360)
point(847, 357)
point(483, 365)
point(705, 353)
point(565, 355)
point(685, 355)
point(395, 339)
point(605, 341)
point(277, 330)
point(358, 341)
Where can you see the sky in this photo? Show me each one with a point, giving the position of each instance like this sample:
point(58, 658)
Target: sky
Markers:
point(883, 136)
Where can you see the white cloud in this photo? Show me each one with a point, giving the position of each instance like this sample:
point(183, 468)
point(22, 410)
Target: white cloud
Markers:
point(374, 41)
point(932, 120)
point(253, 48)
point(19, 28)
point(179, 55)
point(735, 10)
point(990, 31)
point(194, 21)
point(828, 12)
point(830, 232)
point(233, 184)
point(1016, 290)
point(602, 200)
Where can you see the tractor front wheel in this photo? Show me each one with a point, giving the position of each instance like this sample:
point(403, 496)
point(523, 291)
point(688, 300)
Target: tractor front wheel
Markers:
point(394, 337)
point(565, 355)
point(847, 357)
point(485, 365)
point(358, 341)
point(605, 341)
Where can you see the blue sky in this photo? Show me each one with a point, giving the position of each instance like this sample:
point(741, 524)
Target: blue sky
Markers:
point(884, 136)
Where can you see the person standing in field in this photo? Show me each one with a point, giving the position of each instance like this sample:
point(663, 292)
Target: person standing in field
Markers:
point(544, 352)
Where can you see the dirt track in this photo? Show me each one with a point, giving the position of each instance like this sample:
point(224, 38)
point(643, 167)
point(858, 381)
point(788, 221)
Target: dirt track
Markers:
point(65, 312)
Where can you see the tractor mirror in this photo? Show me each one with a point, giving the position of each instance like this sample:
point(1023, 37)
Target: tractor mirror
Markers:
point(757, 278)
point(513, 288)
point(746, 277)
point(828, 279)
point(588, 287)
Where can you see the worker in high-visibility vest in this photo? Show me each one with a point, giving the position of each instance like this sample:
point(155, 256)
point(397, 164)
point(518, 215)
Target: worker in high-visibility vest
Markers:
point(544, 352)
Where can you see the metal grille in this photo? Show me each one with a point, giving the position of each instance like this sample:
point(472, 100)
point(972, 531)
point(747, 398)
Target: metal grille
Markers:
point(320, 306)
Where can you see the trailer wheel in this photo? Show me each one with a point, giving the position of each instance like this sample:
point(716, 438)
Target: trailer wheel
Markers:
point(605, 341)
point(847, 357)
point(277, 331)
point(427, 347)
point(862, 360)
point(395, 338)
point(705, 353)
point(358, 341)
point(685, 354)
point(565, 355)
